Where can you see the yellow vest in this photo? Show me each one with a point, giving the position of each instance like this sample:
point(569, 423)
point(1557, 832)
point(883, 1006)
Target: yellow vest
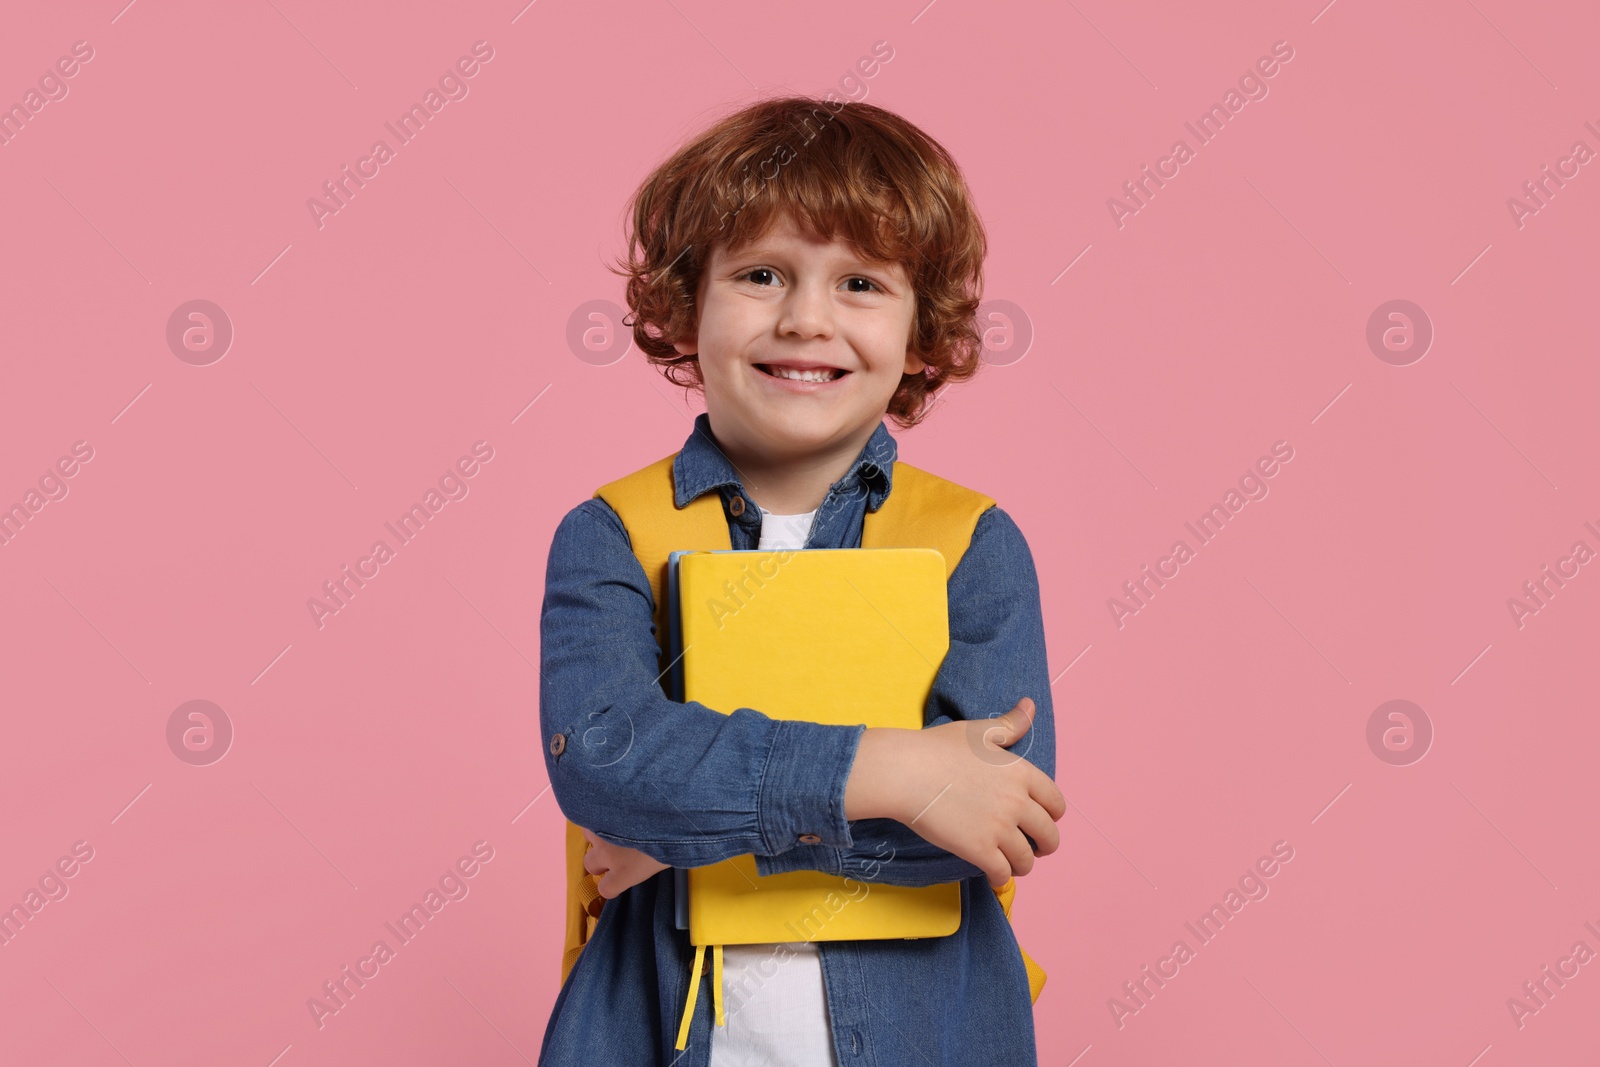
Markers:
point(922, 511)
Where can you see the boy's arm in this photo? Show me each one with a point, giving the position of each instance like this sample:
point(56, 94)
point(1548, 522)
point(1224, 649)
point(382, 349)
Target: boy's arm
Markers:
point(996, 657)
point(682, 783)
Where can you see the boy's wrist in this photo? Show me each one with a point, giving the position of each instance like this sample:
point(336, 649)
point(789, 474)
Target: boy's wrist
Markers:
point(873, 789)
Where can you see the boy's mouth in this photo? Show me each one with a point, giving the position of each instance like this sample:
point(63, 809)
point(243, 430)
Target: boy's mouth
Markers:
point(812, 373)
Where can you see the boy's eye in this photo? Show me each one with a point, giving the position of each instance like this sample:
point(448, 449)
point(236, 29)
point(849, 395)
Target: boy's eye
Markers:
point(762, 276)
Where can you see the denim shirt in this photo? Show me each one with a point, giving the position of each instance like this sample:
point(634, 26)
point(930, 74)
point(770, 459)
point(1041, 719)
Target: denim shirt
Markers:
point(690, 786)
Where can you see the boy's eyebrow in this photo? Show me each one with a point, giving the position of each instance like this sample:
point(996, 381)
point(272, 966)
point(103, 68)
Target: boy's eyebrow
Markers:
point(761, 249)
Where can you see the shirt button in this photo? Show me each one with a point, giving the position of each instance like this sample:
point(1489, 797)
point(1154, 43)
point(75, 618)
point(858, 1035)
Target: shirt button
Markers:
point(558, 744)
point(736, 506)
point(810, 839)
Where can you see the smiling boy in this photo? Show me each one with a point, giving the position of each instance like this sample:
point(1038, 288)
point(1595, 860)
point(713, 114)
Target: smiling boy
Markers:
point(840, 291)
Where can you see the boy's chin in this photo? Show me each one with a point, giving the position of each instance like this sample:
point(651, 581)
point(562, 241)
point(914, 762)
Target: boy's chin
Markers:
point(799, 433)
point(793, 431)
point(788, 441)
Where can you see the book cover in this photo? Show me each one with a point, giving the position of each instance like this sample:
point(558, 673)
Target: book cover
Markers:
point(838, 636)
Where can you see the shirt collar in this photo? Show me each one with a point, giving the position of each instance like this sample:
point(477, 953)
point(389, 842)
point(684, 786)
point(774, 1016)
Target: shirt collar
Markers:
point(701, 466)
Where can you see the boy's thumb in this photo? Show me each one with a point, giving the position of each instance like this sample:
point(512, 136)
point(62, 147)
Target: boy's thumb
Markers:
point(989, 738)
point(1019, 720)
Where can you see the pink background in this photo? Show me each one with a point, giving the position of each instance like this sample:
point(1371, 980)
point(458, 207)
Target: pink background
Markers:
point(1229, 313)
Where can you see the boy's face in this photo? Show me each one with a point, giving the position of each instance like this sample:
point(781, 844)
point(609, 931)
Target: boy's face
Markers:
point(791, 301)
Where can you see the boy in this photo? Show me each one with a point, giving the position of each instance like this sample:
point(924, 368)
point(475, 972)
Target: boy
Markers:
point(812, 268)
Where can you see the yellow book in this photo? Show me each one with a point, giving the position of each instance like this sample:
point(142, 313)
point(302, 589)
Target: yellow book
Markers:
point(839, 636)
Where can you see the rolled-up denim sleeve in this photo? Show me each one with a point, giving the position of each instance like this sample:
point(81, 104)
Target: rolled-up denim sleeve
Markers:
point(681, 782)
point(996, 657)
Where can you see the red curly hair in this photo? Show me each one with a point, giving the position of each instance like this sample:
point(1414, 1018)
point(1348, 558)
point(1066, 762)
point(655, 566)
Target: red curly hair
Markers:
point(838, 168)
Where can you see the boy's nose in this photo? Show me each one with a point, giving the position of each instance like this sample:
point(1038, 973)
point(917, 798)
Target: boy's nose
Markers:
point(807, 312)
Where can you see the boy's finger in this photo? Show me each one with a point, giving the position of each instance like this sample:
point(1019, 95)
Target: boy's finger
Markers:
point(1018, 853)
point(1018, 720)
point(1037, 825)
point(1000, 874)
point(1048, 795)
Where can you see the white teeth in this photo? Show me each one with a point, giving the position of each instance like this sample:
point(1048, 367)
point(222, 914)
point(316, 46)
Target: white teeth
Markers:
point(801, 375)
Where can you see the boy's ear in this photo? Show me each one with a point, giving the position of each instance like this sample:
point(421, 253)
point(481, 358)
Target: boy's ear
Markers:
point(689, 344)
point(914, 363)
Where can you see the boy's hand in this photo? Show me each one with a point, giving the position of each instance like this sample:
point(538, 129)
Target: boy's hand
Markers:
point(622, 868)
point(957, 787)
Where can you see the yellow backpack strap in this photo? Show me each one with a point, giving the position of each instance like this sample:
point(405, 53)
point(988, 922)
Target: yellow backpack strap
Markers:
point(644, 501)
point(1036, 975)
point(924, 510)
point(583, 901)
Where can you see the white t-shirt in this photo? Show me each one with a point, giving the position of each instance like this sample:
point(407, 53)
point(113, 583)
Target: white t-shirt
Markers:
point(773, 996)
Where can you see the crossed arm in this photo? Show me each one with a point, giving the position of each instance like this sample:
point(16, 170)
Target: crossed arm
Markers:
point(655, 783)
point(986, 820)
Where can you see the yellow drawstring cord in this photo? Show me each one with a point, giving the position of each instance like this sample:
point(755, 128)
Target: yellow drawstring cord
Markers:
point(694, 990)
